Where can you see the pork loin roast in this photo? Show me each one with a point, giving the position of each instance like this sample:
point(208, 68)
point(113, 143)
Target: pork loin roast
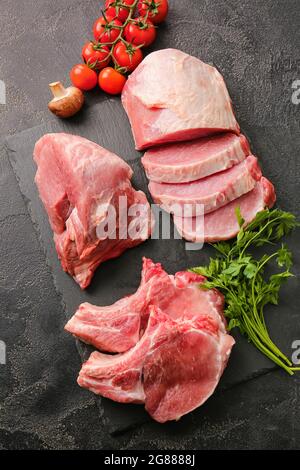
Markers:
point(173, 96)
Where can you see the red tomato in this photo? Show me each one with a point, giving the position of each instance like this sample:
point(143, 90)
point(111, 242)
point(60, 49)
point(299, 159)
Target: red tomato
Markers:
point(156, 9)
point(83, 77)
point(140, 32)
point(113, 9)
point(96, 55)
point(111, 81)
point(127, 56)
point(104, 31)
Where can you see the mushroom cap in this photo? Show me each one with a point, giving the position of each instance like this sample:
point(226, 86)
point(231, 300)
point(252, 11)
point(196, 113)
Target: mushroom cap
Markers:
point(67, 105)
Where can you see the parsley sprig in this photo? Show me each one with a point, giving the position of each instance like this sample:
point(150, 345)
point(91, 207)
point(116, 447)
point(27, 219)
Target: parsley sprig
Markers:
point(242, 278)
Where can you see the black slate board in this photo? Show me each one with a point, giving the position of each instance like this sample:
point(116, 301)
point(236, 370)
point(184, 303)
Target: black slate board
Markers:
point(121, 276)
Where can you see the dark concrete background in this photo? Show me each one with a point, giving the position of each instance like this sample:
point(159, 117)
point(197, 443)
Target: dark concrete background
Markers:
point(255, 44)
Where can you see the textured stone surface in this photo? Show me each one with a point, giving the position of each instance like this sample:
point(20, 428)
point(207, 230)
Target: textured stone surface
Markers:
point(255, 45)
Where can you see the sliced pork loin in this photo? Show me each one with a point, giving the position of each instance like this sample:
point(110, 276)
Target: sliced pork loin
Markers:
point(189, 161)
point(78, 181)
point(173, 369)
point(172, 96)
point(118, 327)
point(211, 192)
point(222, 224)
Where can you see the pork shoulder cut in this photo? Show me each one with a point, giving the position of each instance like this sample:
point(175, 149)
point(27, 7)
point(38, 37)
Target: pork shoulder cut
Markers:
point(222, 224)
point(211, 192)
point(172, 96)
point(183, 162)
point(78, 182)
point(173, 369)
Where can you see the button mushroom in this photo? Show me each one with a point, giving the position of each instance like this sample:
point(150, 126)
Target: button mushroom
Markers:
point(66, 101)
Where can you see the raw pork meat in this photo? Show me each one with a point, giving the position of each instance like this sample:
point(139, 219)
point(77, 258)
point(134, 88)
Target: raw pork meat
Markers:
point(78, 181)
point(222, 224)
point(172, 96)
point(212, 192)
point(173, 369)
point(189, 161)
point(118, 327)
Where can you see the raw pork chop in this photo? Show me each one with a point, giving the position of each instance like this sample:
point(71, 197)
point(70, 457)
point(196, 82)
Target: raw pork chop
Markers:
point(189, 161)
point(78, 181)
point(222, 224)
point(118, 327)
point(212, 192)
point(173, 369)
point(173, 96)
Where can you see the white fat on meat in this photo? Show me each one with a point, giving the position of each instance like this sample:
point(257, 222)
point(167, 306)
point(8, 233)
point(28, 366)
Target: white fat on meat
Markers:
point(172, 96)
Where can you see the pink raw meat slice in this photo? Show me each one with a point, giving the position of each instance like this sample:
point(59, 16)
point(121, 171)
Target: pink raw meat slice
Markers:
point(222, 224)
point(183, 373)
point(190, 161)
point(78, 181)
point(119, 377)
point(51, 188)
point(172, 96)
point(98, 249)
point(191, 302)
point(174, 368)
point(113, 329)
point(118, 327)
point(211, 192)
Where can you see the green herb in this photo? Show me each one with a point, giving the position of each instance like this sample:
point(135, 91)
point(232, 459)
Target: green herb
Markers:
point(242, 279)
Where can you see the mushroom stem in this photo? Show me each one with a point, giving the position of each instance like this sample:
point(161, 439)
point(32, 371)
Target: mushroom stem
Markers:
point(58, 89)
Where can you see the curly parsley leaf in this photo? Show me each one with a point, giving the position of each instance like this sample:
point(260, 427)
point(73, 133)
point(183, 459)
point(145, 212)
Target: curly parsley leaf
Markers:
point(242, 279)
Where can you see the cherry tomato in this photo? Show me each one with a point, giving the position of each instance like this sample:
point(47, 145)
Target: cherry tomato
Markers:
point(157, 10)
point(111, 81)
point(104, 31)
point(127, 56)
point(113, 9)
point(96, 55)
point(140, 32)
point(83, 77)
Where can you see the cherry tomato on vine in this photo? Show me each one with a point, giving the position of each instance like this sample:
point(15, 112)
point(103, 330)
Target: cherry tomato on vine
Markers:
point(140, 32)
point(114, 9)
point(157, 10)
point(111, 81)
point(127, 56)
point(96, 55)
point(104, 31)
point(83, 77)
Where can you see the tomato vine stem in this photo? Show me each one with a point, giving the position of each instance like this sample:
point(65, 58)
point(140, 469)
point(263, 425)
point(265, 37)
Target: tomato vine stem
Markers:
point(110, 25)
